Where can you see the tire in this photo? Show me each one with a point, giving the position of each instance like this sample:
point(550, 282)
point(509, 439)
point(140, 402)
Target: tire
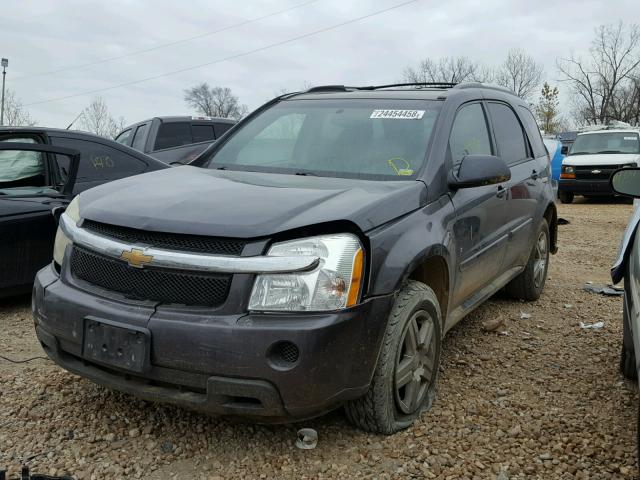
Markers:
point(384, 408)
point(565, 197)
point(530, 283)
point(638, 436)
point(627, 352)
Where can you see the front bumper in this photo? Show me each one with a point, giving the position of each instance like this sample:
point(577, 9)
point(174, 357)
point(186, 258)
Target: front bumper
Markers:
point(224, 364)
point(586, 187)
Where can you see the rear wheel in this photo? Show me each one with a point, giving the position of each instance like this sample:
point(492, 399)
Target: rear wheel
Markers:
point(530, 283)
point(565, 197)
point(403, 384)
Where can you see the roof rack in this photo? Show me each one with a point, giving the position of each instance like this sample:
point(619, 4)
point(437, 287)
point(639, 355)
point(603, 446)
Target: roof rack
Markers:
point(328, 88)
point(439, 85)
point(343, 88)
point(464, 85)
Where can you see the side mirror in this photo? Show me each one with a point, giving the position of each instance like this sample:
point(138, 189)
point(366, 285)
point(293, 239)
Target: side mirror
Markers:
point(479, 170)
point(564, 150)
point(626, 181)
point(57, 212)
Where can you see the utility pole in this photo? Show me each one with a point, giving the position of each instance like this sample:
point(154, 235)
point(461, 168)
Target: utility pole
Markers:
point(5, 64)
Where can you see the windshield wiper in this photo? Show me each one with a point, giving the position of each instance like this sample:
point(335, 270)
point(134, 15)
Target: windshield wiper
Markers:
point(610, 151)
point(304, 174)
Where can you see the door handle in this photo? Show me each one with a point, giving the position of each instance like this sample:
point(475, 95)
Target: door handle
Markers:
point(534, 175)
point(501, 191)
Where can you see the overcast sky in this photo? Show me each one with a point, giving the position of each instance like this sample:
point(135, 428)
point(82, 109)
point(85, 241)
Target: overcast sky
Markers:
point(39, 36)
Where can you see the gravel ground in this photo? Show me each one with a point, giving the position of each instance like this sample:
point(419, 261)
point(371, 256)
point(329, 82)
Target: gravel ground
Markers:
point(545, 400)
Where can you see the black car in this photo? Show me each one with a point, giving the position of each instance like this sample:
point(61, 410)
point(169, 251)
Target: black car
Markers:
point(316, 259)
point(34, 181)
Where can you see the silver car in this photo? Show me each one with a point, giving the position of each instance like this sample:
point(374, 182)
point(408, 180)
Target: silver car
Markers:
point(627, 182)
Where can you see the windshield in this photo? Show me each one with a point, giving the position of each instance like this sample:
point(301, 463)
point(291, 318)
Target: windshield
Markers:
point(606, 142)
point(374, 139)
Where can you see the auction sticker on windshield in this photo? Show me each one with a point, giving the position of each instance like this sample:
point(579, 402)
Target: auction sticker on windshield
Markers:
point(398, 114)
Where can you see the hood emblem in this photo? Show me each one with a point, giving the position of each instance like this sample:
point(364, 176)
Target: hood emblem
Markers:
point(595, 172)
point(136, 257)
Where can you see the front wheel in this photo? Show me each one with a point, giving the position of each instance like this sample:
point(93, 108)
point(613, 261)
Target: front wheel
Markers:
point(404, 381)
point(627, 354)
point(565, 197)
point(530, 283)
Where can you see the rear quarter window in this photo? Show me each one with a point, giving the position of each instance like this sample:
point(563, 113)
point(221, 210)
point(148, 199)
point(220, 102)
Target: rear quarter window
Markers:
point(221, 128)
point(533, 131)
point(173, 134)
point(202, 133)
point(100, 162)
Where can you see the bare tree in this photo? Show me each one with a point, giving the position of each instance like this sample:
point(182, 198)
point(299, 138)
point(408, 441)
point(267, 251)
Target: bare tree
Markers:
point(96, 119)
point(15, 114)
point(520, 73)
point(215, 101)
point(605, 85)
point(447, 69)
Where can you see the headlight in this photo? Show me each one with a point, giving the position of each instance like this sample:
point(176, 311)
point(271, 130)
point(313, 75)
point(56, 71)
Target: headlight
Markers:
point(568, 169)
point(60, 245)
point(334, 284)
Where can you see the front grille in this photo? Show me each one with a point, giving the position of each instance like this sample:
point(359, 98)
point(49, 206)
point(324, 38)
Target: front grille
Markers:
point(602, 172)
point(162, 285)
point(171, 241)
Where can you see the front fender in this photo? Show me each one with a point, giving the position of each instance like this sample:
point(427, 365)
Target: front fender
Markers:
point(617, 271)
point(399, 247)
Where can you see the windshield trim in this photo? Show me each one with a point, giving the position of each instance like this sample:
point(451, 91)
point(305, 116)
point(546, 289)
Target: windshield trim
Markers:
point(213, 150)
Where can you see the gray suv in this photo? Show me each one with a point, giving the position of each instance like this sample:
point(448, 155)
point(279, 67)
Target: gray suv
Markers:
point(312, 258)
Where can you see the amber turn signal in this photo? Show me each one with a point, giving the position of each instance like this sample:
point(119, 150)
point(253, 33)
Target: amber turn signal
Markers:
point(356, 278)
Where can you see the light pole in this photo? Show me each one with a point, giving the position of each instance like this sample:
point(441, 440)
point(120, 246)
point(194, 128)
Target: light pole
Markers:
point(5, 64)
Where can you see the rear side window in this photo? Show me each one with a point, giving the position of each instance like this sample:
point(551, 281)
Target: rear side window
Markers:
point(220, 128)
point(22, 165)
point(173, 134)
point(202, 133)
point(123, 138)
point(509, 135)
point(533, 132)
point(101, 162)
point(469, 135)
point(140, 137)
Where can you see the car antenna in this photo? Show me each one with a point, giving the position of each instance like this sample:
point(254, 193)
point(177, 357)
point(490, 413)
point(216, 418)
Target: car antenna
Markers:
point(75, 120)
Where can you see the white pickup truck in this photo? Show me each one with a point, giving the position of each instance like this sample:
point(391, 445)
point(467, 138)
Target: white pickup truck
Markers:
point(593, 157)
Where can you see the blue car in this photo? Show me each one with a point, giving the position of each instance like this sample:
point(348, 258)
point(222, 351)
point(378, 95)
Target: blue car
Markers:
point(554, 148)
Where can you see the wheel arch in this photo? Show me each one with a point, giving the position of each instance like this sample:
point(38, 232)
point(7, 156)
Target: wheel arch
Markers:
point(551, 216)
point(433, 271)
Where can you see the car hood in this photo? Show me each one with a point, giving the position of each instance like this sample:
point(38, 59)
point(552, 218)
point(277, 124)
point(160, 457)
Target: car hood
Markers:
point(246, 204)
point(601, 159)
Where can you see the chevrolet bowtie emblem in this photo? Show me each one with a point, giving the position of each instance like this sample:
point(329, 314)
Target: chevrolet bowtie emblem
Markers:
point(595, 172)
point(136, 257)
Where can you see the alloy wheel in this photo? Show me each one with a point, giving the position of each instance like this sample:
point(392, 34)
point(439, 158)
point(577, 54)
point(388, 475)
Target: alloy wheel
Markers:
point(540, 260)
point(415, 363)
